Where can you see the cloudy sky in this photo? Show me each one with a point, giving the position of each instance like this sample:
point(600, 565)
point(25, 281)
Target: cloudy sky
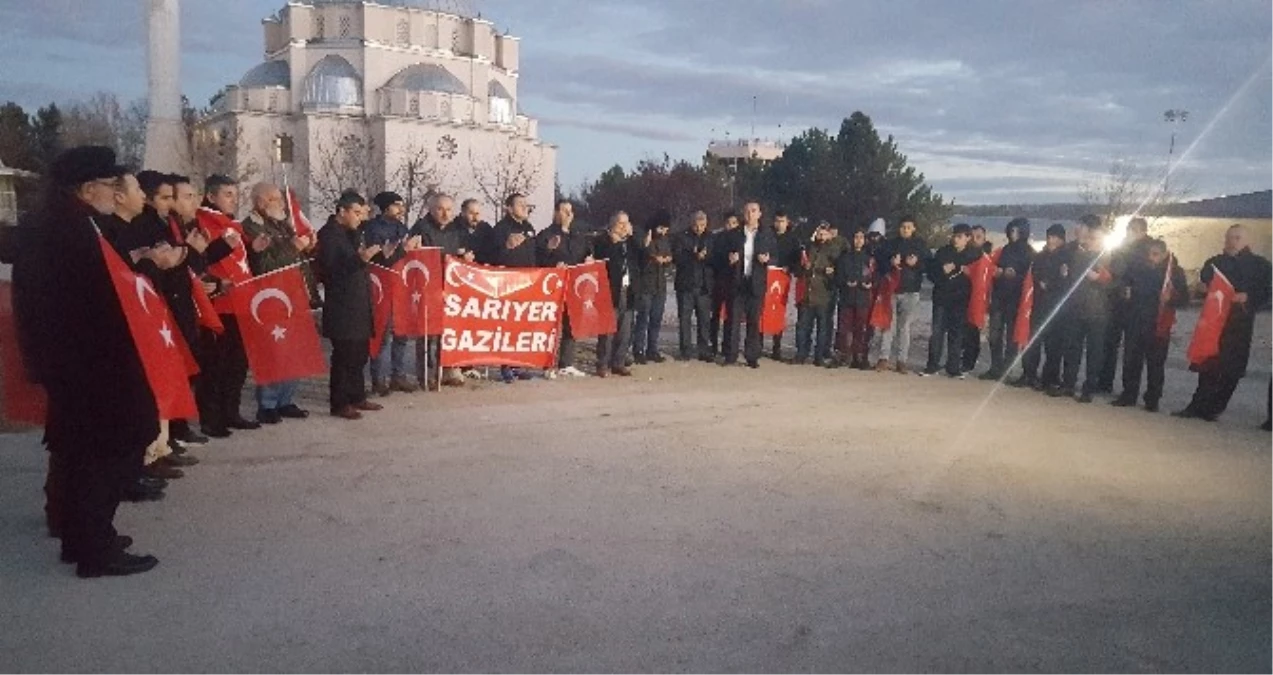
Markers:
point(994, 101)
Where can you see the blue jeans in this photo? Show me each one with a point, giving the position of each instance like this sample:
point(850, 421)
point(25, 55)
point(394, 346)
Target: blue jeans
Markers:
point(277, 395)
point(649, 321)
point(392, 356)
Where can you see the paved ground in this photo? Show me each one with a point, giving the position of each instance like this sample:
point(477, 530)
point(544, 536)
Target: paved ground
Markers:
point(694, 518)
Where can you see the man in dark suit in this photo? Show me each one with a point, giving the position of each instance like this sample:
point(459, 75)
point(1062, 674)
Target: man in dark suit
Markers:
point(347, 304)
point(747, 250)
point(622, 258)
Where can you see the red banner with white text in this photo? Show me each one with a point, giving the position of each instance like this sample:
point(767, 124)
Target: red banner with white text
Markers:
point(504, 317)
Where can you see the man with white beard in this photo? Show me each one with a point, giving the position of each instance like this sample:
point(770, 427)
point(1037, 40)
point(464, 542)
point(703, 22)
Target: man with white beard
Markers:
point(273, 244)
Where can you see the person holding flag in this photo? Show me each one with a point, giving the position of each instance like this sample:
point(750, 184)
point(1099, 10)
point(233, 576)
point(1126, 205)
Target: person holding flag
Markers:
point(951, 289)
point(274, 244)
point(560, 246)
point(1048, 274)
point(1011, 264)
point(907, 255)
point(855, 278)
point(77, 343)
point(1154, 289)
point(1085, 317)
point(439, 228)
point(1238, 285)
point(389, 232)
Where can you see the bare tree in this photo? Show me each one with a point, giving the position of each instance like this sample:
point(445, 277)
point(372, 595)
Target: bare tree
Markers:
point(102, 120)
point(219, 148)
point(418, 175)
point(341, 162)
point(515, 168)
point(1126, 190)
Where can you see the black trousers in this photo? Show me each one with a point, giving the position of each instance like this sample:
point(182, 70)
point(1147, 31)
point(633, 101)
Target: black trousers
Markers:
point(348, 387)
point(722, 301)
point(1118, 330)
point(949, 331)
point(83, 492)
point(1143, 350)
point(971, 349)
point(694, 310)
point(224, 371)
point(612, 350)
point(1215, 389)
point(745, 308)
point(1003, 347)
point(1052, 342)
point(813, 332)
point(1084, 339)
point(566, 348)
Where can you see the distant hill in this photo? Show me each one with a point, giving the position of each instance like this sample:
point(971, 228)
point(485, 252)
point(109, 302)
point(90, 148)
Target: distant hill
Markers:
point(1040, 211)
point(1248, 205)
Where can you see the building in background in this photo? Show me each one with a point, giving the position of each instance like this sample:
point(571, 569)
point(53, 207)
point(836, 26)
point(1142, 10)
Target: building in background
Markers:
point(741, 150)
point(398, 94)
point(9, 192)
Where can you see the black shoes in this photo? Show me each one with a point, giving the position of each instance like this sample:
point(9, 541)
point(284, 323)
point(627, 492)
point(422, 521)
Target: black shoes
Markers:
point(293, 412)
point(1060, 392)
point(121, 543)
point(1023, 382)
point(1190, 413)
point(989, 376)
point(639, 359)
point(242, 424)
point(268, 416)
point(191, 437)
point(1123, 402)
point(1151, 406)
point(120, 565)
point(180, 460)
point(144, 489)
point(752, 363)
point(657, 358)
point(1085, 397)
point(216, 432)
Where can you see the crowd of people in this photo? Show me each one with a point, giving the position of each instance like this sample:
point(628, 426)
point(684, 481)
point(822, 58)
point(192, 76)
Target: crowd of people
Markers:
point(106, 442)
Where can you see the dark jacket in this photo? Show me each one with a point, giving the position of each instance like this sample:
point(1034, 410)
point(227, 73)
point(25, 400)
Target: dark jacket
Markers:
point(855, 278)
point(1129, 258)
point(1006, 290)
point(75, 340)
point(523, 255)
point(622, 259)
point(735, 241)
point(1145, 283)
point(573, 247)
point(912, 277)
point(281, 252)
point(820, 285)
point(478, 239)
point(952, 289)
point(692, 255)
point(787, 249)
point(149, 230)
point(1090, 298)
point(655, 274)
point(1250, 274)
point(451, 237)
point(381, 231)
point(347, 304)
point(1051, 279)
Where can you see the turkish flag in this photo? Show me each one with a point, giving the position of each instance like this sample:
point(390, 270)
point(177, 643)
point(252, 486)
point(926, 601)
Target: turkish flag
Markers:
point(1166, 313)
point(205, 313)
point(234, 267)
point(24, 402)
point(882, 308)
point(1205, 344)
point(1025, 309)
point(981, 273)
point(386, 284)
point(162, 351)
point(773, 316)
point(588, 301)
point(417, 309)
point(299, 222)
point(279, 335)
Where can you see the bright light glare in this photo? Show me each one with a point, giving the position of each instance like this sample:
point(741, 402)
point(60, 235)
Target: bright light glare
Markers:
point(1119, 233)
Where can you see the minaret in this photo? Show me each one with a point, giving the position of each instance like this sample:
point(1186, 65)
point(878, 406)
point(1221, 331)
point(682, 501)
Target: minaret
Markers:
point(166, 143)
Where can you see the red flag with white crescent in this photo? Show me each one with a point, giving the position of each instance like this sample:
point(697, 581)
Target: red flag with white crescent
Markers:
point(417, 309)
point(980, 273)
point(588, 301)
point(24, 402)
point(160, 347)
point(1205, 344)
point(882, 306)
point(299, 222)
point(1025, 309)
point(386, 284)
point(234, 267)
point(279, 335)
point(773, 317)
point(205, 313)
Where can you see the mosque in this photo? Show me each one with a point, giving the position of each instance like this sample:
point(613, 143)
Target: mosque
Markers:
point(403, 95)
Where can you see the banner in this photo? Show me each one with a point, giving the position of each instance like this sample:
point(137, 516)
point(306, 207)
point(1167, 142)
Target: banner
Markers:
point(417, 307)
point(882, 306)
point(386, 285)
point(506, 317)
point(279, 335)
point(160, 347)
point(773, 316)
point(1025, 309)
point(588, 301)
point(1205, 344)
point(24, 402)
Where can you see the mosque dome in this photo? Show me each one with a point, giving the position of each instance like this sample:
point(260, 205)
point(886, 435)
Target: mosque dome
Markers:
point(268, 74)
point(427, 77)
point(333, 83)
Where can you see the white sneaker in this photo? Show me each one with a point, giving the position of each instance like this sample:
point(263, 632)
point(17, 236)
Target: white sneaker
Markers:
point(571, 371)
point(550, 374)
point(473, 374)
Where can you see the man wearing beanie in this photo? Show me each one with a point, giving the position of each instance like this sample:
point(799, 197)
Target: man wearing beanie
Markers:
point(1005, 297)
point(388, 230)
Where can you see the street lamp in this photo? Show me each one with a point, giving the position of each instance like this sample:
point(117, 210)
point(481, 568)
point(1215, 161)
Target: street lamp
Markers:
point(1174, 117)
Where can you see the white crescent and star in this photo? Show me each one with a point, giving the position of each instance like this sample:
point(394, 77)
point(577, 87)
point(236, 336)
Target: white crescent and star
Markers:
point(143, 287)
point(415, 265)
point(166, 333)
point(380, 289)
point(552, 276)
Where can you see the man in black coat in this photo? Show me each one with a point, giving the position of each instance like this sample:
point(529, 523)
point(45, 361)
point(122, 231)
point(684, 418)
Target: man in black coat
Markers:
point(347, 313)
point(480, 232)
point(651, 299)
point(622, 261)
point(1085, 316)
point(1147, 341)
point(692, 253)
point(1252, 280)
point(747, 252)
point(980, 245)
point(75, 341)
point(788, 243)
point(1131, 254)
point(1049, 273)
point(559, 245)
point(951, 291)
point(513, 245)
point(1005, 297)
point(722, 282)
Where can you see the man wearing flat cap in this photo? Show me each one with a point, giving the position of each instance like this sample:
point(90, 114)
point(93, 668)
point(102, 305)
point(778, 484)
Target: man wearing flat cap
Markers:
point(76, 343)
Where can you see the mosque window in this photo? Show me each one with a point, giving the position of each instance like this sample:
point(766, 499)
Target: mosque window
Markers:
point(320, 27)
point(346, 26)
point(404, 33)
